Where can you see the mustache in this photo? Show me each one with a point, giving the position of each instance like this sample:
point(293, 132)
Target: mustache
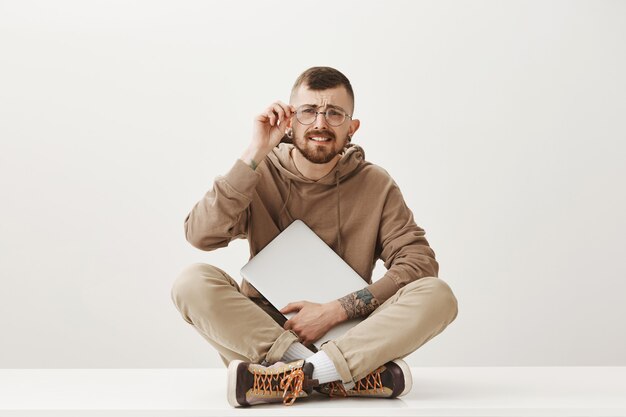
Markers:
point(325, 133)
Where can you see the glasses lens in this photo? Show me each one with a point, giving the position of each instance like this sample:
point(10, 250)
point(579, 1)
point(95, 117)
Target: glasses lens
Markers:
point(335, 117)
point(306, 115)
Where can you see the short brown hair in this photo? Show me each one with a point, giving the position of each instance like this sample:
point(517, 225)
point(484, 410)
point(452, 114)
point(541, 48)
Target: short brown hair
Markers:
point(322, 78)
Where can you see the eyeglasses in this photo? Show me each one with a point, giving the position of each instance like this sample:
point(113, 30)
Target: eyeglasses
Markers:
point(307, 114)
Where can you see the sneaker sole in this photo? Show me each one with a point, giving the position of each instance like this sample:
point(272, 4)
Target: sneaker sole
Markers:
point(408, 378)
point(231, 389)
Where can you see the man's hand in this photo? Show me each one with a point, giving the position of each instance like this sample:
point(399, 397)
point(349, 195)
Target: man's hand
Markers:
point(313, 320)
point(269, 128)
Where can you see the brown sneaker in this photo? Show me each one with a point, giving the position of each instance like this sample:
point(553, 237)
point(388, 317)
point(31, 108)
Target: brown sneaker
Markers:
point(391, 380)
point(251, 384)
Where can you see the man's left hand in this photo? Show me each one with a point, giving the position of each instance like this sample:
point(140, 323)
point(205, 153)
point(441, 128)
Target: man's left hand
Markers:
point(313, 320)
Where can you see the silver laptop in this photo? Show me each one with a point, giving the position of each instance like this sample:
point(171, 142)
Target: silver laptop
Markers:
point(298, 265)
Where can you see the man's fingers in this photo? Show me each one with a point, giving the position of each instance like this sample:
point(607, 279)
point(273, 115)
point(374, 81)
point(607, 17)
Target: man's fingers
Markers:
point(290, 325)
point(290, 308)
point(305, 340)
point(269, 113)
point(287, 108)
point(277, 114)
point(280, 112)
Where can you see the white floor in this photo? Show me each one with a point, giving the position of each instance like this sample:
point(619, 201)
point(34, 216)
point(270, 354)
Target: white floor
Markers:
point(472, 391)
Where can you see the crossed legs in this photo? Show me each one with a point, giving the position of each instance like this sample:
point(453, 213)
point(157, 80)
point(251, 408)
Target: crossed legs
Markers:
point(238, 328)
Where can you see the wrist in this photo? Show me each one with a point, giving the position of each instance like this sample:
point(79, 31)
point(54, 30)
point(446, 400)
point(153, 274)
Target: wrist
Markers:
point(338, 312)
point(253, 156)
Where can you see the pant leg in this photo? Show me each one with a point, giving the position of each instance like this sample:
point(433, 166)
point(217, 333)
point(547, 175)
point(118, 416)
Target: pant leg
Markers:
point(415, 314)
point(212, 302)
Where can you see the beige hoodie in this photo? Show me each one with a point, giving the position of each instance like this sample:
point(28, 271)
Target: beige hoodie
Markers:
point(357, 209)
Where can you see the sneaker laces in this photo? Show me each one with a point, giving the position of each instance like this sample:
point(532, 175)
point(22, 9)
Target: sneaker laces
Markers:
point(335, 387)
point(293, 380)
point(291, 383)
point(371, 382)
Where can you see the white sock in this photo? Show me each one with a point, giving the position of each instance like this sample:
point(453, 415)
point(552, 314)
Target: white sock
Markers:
point(296, 352)
point(324, 369)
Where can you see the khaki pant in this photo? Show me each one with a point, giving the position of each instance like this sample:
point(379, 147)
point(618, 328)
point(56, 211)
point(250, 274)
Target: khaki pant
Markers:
point(240, 328)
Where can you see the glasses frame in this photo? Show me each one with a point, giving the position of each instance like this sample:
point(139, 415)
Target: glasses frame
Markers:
point(345, 114)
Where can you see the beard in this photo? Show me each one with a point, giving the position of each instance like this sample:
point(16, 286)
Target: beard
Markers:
point(320, 153)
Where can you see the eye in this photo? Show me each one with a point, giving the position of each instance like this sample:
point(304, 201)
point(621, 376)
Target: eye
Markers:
point(334, 113)
point(307, 110)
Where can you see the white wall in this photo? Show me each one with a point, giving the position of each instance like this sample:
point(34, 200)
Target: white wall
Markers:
point(502, 122)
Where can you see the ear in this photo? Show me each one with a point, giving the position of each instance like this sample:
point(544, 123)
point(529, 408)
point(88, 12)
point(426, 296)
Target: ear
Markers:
point(354, 126)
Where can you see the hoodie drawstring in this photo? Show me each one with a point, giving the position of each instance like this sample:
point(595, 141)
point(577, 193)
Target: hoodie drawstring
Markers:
point(284, 207)
point(338, 212)
point(285, 203)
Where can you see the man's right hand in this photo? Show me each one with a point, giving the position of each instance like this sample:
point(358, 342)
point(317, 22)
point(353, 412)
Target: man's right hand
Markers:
point(268, 130)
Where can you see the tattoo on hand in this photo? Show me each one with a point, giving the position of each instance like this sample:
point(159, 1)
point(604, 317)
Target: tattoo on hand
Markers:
point(359, 304)
point(253, 164)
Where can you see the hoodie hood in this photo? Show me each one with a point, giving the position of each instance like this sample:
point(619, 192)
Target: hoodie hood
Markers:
point(352, 161)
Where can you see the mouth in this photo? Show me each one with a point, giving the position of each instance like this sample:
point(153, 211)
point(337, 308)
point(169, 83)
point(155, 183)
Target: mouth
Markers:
point(320, 137)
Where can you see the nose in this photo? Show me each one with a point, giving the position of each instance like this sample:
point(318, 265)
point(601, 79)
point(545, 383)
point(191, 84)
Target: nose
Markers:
point(320, 121)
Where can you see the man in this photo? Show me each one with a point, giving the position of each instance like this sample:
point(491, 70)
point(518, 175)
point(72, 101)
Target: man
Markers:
point(358, 210)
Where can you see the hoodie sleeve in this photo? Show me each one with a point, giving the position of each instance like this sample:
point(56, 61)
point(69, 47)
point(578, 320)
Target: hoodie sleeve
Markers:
point(404, 249)
point(222, 215)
